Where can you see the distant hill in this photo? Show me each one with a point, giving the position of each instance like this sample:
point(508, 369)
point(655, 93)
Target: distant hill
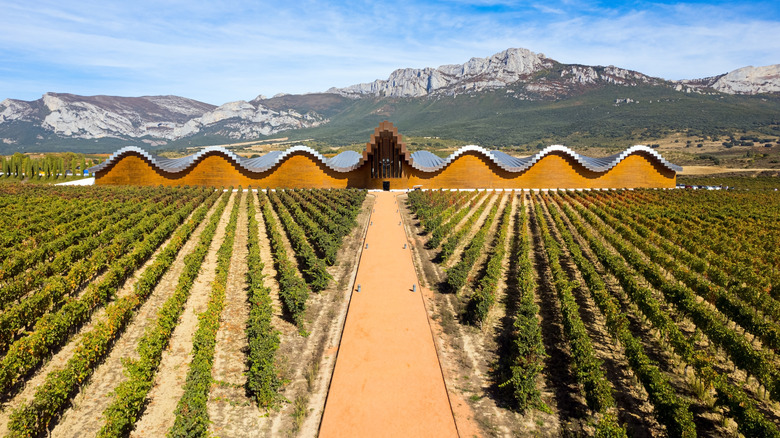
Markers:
point(515, 97)
point(598, 116)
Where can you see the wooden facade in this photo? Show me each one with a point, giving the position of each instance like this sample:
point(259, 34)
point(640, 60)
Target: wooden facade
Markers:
point(386, 163)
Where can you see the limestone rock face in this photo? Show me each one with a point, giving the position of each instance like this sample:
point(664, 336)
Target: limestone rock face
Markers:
point(476, 75)
point(160, 117)
point(243, 119)
point(587, 75)
point(529, 72)
point(750, 80)
point(11, 109)
point(110, 116)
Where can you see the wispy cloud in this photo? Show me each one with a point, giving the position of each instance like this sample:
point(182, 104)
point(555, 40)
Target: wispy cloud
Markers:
point(548, 9)
point(237, 49)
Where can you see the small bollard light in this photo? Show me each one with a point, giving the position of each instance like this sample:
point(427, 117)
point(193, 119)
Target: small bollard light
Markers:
point(404, 246)
point(366, 246)
point(399, 222)
point(358, 288)
point(414, 288)
point(372, 222)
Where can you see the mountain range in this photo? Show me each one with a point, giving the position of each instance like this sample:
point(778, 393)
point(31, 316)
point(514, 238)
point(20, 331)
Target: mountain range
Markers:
point(515, 96)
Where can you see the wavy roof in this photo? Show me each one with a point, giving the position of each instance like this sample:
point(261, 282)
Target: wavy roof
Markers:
point(343, 162)
point(349, 160)
point(428, 162)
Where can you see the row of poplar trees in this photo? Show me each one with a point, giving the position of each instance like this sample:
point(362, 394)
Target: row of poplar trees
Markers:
point(21, 166)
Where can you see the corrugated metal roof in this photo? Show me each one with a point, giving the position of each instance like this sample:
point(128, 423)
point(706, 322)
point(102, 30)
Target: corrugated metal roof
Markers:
point(349, 160)
point(343, 162)
point(429, 162)
point(426, 159)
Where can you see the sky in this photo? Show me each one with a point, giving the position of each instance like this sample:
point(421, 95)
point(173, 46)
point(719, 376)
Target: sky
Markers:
point(222, 51)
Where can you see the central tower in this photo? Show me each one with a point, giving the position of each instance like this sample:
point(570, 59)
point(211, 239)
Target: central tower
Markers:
point(386, 153)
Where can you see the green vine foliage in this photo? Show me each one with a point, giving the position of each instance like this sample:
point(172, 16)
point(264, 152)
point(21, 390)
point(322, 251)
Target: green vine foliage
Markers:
point(192, 417)
point(129, 398)
point(49, 401)
point(262, 376)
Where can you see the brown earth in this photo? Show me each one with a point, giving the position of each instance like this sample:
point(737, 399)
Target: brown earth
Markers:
point(712, 170)
point(706, 418)
point(60, 357)
point(633, 407)
point(469, 355)
point(85, 416)
point(169, 381)
point(231, 412)
point(306, 362)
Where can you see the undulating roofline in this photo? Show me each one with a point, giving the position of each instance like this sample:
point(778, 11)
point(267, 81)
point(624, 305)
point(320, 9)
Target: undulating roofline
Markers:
point(428, 162)
point(350, 160)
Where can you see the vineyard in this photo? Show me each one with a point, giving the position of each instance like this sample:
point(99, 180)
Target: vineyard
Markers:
point(608, 313)
point(169, 311)
point(140, 311)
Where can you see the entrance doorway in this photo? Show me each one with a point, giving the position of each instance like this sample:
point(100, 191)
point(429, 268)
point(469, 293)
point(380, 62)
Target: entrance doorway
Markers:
point(386, 153)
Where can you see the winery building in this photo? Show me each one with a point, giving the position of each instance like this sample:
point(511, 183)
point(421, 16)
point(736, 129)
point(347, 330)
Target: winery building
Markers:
point(387, 164)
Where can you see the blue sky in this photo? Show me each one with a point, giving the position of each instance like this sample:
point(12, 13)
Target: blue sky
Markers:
point(223, 51)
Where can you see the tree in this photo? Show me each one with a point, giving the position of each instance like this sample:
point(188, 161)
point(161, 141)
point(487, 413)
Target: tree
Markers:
point(35, 167)
point(18, 165)
point(52, 167)
point(49, 167)
point(28, 168)
point(83, 165)
point(73, 164)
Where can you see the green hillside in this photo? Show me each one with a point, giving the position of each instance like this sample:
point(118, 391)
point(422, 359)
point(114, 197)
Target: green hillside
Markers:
point(496, 119)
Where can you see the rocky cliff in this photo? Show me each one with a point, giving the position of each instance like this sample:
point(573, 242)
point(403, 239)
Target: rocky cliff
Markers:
point(750, 80)
point(533, 76)
point(156, 117)
point(475, 75)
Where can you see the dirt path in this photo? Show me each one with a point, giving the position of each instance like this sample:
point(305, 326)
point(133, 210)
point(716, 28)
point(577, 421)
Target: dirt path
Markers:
point(169, 382)
point(309, 360)
point(85, 417)
point(387, 379)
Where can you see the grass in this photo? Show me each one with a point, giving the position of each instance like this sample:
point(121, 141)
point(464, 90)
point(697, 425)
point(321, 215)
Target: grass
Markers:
point(311, 375)
point(299, 411)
